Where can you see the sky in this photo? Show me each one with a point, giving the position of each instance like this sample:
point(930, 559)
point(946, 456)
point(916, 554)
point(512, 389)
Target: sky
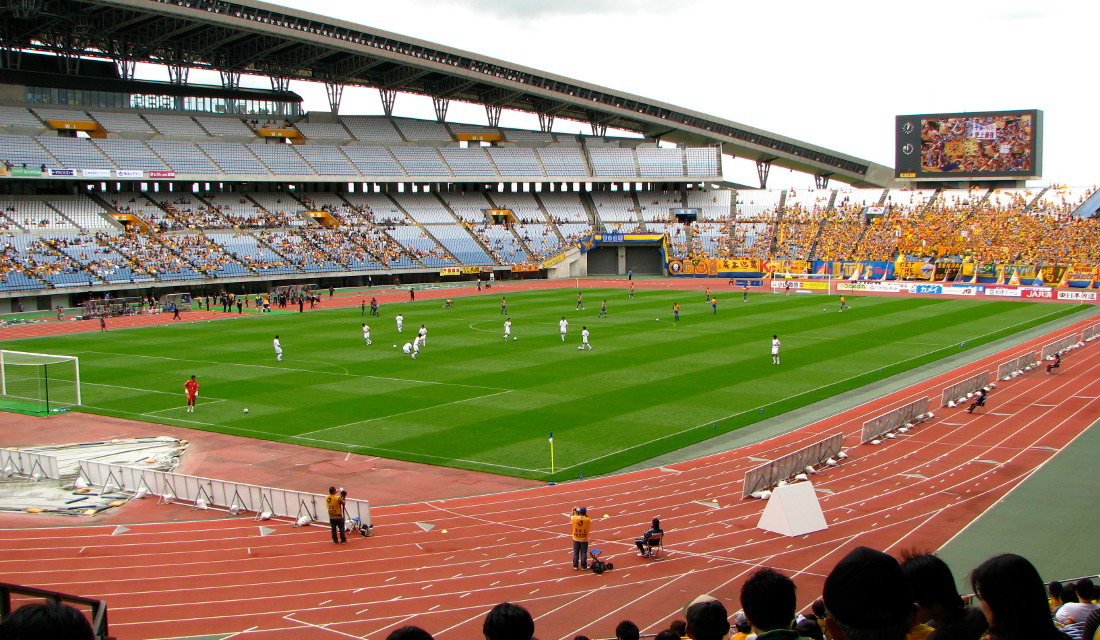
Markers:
point(834, 74)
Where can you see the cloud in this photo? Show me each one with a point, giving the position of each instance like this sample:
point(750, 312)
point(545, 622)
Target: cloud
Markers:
point(522, 9)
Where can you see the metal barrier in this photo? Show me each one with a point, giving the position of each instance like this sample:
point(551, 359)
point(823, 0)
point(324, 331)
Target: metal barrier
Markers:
point(1060, 346)
point(280, 503)
point(891, 420)
point(957, 392)
point(1016, 366)
point(1088, 334)
point(787, 466)
point(25, 463)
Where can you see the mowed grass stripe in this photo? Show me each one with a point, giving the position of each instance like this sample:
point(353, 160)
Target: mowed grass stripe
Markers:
point(473, 400)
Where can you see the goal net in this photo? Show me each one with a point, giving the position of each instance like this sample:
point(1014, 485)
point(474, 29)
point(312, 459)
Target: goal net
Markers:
point(38, 383)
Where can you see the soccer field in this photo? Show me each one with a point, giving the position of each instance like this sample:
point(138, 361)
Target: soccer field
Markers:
point(472, 400)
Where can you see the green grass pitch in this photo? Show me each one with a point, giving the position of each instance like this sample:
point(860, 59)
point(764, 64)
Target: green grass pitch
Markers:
point(475, 401)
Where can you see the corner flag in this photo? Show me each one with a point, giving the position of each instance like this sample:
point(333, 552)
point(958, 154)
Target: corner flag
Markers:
point(551, 452)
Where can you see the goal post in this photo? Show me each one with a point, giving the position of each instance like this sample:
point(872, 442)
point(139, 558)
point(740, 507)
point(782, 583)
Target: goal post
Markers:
point(38, 383)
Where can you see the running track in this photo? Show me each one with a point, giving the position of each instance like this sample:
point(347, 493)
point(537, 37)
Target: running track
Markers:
point(196, 578)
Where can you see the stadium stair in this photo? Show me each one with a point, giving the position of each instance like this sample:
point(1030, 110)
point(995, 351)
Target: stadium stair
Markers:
point(590, 210)
point(639, 219)
point(549, 219)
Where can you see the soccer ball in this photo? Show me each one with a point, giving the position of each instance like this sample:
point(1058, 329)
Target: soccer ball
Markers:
point(394, 346)
point(823, 309)
point(656, 319)
point(515, 338)
point(246, 410)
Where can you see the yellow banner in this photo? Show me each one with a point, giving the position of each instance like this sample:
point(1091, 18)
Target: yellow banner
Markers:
point(450, 271)
point(553, 261)
point(779, 267)
point(524, 267)
point(279, 133)
point(479, 137)
point(814, 285)
point(1079, 273)
point(914, 270)
point(73, 124)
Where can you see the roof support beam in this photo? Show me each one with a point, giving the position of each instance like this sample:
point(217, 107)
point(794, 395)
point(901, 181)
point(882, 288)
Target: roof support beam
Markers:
point(763, 168)
point(335, 93)
point(493, 114)
point(441, 105)
point(389, 97)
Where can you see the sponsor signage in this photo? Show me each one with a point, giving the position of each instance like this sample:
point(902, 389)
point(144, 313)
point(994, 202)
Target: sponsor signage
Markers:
point(1003, 292)
point(927, 288)
point(62, 173)
point(130, 173)
point(95, 173)
point(1077, 295)
point(524, 267)
point(882, 287)
point(162, 174)
point(1036, 292)
point(24, 172)
point(956, 290)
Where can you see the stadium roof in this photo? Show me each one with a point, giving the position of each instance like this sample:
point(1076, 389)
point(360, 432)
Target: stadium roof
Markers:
point(256, 38)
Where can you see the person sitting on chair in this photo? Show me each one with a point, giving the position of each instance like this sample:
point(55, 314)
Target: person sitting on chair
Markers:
point(1054, 365)
point(643, 542)
point(979, 401)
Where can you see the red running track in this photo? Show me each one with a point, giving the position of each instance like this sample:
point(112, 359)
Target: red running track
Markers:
point(195, 578)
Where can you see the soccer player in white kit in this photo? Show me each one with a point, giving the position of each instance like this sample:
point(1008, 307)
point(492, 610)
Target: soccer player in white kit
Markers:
point(775, 349)
point(400, 322)
point(584, 339)
point(563, 326)
point(507, 328)
point(366, 333)
point(278, 349)
point(411, 348)
point(422, 336)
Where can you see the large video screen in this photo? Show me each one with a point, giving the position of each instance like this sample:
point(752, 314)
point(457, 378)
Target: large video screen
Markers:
point(945, 146)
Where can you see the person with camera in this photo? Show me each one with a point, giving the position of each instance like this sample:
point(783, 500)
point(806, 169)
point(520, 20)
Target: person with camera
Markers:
point(581, 525)
point(335, 504)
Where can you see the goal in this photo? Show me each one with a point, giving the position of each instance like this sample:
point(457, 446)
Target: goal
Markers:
point(38, 383)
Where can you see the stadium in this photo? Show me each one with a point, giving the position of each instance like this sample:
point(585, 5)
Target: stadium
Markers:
point(286, 258)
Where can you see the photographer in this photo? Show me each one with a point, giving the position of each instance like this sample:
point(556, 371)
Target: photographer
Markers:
point(581, 525)
point(335, 504)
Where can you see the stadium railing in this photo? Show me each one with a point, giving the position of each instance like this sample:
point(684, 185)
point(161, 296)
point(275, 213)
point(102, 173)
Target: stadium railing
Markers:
point(1090, 333)
point(1060, 346)
point(790, 465)
point(26, 463)
point(232, 496)
point(1017, 366)
point(891, 420)
point(958, 391)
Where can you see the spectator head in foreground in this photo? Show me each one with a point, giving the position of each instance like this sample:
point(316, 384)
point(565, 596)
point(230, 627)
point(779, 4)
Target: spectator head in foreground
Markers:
point(668, 634)
point(932, 584)
point(679, 627)
point(867, 598)
point(706, 619)
point(1013, 599)
point(769, 600)
point(508, 621)
point(46, 620)
point(627, 630)
point(409, 633)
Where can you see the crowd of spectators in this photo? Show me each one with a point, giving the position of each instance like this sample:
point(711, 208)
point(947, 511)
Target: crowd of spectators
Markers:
point(868, 595)
point(1010, 226)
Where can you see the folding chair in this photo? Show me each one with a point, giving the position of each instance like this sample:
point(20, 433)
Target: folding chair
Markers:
point(654, 545)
